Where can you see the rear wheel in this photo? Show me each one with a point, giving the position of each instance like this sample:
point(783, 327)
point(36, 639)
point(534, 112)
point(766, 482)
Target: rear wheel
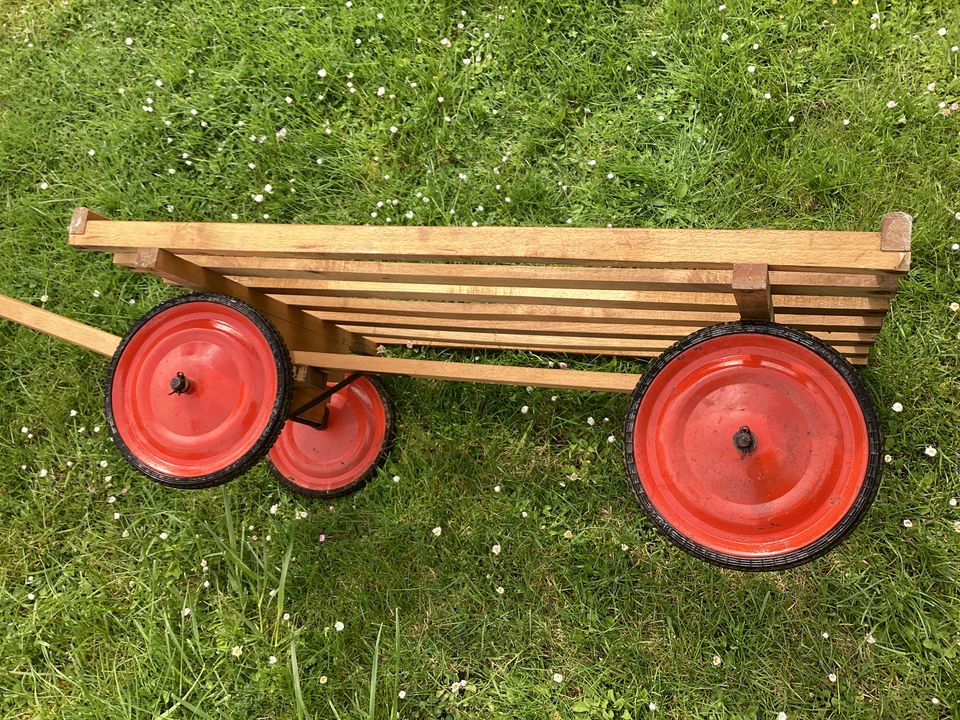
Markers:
point(753, 446)
point(346, 452)
point(198, 390)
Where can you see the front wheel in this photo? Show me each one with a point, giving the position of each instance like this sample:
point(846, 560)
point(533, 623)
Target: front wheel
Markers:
point(198, 390)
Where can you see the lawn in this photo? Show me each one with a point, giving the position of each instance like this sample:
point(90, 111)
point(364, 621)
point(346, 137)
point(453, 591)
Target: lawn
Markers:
point(124, 599)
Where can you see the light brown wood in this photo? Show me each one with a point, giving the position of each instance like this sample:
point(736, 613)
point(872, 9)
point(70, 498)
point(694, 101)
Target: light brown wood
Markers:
point(853, 357)
point(299, 330)
point(895, 232)
point(330, 307)
point(751, 290)
point(72, 331)
point(466, 372)
point(512, 341)
point(529, 276)
point(558, 327)
point(78, 221)
point(308, 382)
point(830, 251)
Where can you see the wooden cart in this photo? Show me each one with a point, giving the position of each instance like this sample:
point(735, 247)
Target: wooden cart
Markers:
point(750, 441)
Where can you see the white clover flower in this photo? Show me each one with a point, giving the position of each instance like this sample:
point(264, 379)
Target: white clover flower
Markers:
point(611, 439)
point(652, 705)
point(43, 472)
point(724, 37)
point(897, 407)
point(781, 716)
point(396, 478)
point(891, 104)
point(942, 31)
point(495, 549)
point(393, 129)
point(832, 677)
point(381, 91)
point(437, 530)
point(751, 68)
point(497, 488)
point(128, 42)
point(791, 119)
point(440, 99)
point(322, 72)
point(402, 694)
point(525, 409)
point(44, 298)
point(338, 626)
point(954, 306)
point(185, 612)
point(164, 536)
point(930, 451)
point(257, 198)
point(888, 458)
point(846, 122)
point(237, 650)
point(272, 659)
point(908, 523)
point(871, 640)
point(557, 678)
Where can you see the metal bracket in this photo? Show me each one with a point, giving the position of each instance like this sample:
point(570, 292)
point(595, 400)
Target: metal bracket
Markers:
point(329, 392)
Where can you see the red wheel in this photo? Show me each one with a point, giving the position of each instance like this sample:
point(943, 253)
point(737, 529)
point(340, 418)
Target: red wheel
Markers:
point(198, 390)
point(346, 452)
point(753, 446)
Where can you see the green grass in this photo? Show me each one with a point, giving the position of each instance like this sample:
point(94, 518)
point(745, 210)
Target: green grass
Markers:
point(691, 141)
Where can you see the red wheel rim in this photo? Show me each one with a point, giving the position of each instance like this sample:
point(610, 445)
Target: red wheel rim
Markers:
point(233, 380)
point(800, 479)
point(334, 459)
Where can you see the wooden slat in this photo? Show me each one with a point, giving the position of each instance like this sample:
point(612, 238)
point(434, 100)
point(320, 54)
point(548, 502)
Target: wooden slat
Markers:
point(598, 278)
point(511, 340)
point(299, 330)
point(854, 358)
point(331, 307)
point(310, 294)
point(559, 326)
point(465, 372)
point(829, 251)
point(71, 331)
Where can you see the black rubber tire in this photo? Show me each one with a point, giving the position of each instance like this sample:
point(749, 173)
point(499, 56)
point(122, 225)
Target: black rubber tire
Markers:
point(278, 415)
point(836, 534)
point(390, 420)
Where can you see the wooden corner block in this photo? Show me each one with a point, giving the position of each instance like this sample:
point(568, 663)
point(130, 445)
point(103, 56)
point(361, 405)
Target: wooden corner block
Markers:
point(895, 232)
point(78, 221)
point(751, 289)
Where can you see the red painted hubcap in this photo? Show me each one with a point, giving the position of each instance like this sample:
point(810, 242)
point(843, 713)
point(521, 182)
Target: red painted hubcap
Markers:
point(774, 489)
point(221, 411)
point(333, 459)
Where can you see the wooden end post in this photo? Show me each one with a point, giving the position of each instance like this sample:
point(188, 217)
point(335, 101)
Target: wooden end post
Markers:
point(895, 232)
point(78, 222)
point(308, 382)
point(751, 289)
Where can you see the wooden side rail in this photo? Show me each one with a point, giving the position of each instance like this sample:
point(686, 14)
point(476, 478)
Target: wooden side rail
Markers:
point(584, 290)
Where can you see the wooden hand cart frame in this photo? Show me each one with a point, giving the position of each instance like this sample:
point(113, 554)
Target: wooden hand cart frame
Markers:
point(336, 293)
